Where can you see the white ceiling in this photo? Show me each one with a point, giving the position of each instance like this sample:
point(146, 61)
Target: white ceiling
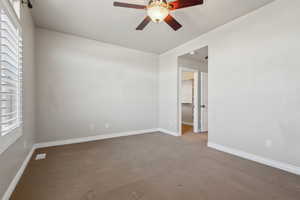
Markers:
point(99, 20)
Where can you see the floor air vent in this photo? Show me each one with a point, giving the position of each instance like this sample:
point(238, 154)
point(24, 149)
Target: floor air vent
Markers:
point(40, 156)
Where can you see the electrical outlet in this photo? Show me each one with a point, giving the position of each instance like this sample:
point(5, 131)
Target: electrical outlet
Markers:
point(92, 127)
point(269, 143)
point(25, 144)
point(40, 156)
point(107, 125)
point(170, 124)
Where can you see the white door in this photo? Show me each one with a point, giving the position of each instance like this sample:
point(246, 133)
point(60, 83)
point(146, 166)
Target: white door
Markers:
point(204, 102)
point(196, 102)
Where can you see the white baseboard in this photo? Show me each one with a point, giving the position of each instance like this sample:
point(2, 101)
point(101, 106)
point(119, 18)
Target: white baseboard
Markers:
point(92, 138)
point(272, 163)
point(259, 159)
point(167, 132)
point(101, 137)
point(188, 123)
point(18, 176)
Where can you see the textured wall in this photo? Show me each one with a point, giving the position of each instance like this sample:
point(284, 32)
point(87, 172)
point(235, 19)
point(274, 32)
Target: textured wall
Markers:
point(254, 85)
point(88, 88)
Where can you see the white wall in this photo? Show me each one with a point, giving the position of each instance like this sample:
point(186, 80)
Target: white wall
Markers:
point(187, 113)
point(12, 158)
point(187, 98)
point(84, 85)
point(254, 85)
point(187, 90)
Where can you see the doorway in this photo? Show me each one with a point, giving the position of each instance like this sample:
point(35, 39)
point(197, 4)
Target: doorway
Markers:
point(193, 92)
point(189, 100)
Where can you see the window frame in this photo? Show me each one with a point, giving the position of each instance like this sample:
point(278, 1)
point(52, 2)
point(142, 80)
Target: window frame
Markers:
point(16, 5)
point(10, 136)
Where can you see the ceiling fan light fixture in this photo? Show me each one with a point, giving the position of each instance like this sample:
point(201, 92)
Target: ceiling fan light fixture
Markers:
point(158, 11)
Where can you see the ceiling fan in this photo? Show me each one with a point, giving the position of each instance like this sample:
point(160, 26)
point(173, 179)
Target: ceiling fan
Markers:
point(159, 10)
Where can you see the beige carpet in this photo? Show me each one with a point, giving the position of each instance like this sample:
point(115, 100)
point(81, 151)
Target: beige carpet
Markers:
point(151, 167)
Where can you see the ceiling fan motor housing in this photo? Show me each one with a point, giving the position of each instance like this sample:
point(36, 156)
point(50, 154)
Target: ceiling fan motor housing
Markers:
point(158, 10)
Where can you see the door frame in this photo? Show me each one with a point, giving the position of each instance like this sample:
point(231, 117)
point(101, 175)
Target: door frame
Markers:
point(196, 123)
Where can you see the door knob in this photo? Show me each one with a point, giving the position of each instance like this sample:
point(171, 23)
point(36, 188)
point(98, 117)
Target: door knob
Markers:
point(202, 106)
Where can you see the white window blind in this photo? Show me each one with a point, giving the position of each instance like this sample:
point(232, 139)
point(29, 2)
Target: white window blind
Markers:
point(11, 74)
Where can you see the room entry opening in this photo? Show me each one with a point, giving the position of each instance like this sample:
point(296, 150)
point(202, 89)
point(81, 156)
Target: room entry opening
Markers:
point(193, 92)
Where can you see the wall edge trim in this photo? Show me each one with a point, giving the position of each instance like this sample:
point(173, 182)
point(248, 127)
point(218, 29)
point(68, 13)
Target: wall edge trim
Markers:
point(92, 138)
point(18, 176)
point(259, 159)
point(168, 132)
point(188, 123)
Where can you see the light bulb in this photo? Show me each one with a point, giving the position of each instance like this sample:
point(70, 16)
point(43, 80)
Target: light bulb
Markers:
point(158, 11)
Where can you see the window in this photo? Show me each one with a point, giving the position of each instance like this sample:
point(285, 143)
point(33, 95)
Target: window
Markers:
point(16, 5)
point(11, 74)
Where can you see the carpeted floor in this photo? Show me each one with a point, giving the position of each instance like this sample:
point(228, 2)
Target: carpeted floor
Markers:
point(151, 167)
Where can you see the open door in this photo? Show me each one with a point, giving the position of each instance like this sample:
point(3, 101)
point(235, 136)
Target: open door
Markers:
point(204, 102)
point(196, 102)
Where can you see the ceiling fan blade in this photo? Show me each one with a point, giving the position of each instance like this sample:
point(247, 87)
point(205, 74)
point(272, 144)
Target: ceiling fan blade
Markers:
point(184, 3)
point(173, 22)
point(143, 24)
point(128, 5)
